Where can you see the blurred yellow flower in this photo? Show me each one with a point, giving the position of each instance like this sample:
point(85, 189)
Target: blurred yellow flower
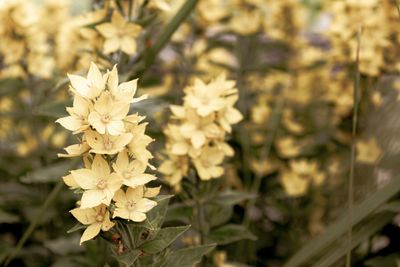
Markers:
point(368, 151)
point(119, 34)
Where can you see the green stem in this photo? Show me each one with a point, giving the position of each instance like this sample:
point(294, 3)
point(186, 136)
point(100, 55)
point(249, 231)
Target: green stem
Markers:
point(201, 223)
point(166, 35)
point(265, 151)
point(396, 2)
point(50, 199)
point(353, 153)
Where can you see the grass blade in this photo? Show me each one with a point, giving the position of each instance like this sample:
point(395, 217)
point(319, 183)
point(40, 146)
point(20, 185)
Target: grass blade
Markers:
point(338, 228)
point(166, 35)
point(369, 228)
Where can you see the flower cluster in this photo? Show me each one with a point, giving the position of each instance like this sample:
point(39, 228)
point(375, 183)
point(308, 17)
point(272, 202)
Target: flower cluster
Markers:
point(113, 144)
point(198, 130)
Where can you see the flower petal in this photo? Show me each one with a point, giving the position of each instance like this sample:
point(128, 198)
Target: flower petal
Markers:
point(85, 178)
point(92, 198)
point(84, 216)
point(90, 232)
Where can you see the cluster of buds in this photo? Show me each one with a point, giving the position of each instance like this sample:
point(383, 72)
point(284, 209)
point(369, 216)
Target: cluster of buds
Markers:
point(113, 145)
point(198, 130)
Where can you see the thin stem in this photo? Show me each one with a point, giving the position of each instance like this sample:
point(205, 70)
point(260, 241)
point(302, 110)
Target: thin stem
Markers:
point(352, 156)
point(50, 199)
point(265, 150)
point(396, 2)
point(166, 35)
point(201, 223)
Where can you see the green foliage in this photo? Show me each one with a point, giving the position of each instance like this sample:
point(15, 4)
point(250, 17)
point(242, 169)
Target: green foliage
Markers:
point(361, 212)
point(230, 233)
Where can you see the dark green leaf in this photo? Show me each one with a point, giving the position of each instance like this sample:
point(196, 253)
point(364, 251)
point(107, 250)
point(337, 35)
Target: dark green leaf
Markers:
point(230, 233)
point(163, 239)
point(76, 227)
point(6, 217)
point(232, 197)
point(129, 257)
point(186, 257)
point(50, 173)
point(156, 216)
point(388, 261)
point(54, 109)
point(218, 214)
point(179, 212)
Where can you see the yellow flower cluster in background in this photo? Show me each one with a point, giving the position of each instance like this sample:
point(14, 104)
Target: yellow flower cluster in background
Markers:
point(198, 130)
point(113, 145)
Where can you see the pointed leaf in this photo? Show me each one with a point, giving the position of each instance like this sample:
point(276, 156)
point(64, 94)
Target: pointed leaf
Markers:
point(186, 257)
point(163, 239)
point(230, 233)
point(230, 197)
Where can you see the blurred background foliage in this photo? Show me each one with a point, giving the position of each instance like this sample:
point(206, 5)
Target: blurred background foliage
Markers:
point(295, 66)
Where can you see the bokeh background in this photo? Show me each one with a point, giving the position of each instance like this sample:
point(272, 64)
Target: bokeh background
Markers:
point(295, 65)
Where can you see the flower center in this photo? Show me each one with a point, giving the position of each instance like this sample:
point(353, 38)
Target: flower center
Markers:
point(108, 144)
point(131, 205)
point(99, 218)
point(101, 184)
point(127, 174)
point(105, 118)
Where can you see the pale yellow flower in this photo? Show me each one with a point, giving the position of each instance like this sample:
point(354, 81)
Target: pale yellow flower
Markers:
point(131, 172)
point(125, 91)
point(294, 184)
point(132, 205)
point(207, 163)
point(70, 181)
point(139, 142)
point(91, 86)
point(119, 34)
point(78, 119)
point(229, 115)
point(174, 169)
point(107, 144)
point(368, 151)
point(207, 98)
point(98, 182)
point(107, 115)
point(98, 218)
point(75, 150)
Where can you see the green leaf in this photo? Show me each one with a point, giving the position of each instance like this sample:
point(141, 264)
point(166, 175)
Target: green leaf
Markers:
point(50, 173)
point(230, 197)
point(179, 212)
point(186, 257)
point(64, 245)
point(230, 233)
point(54, 109)
point(128, 258)
point(6, 217)
point(367, 228)
point(163, 239)
point(338, 228)
point(165, 36)
point(388, 261)
point(10, 85)
point(156, 216)
point(393, 206)
point(76, 227)
point(218, 214)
